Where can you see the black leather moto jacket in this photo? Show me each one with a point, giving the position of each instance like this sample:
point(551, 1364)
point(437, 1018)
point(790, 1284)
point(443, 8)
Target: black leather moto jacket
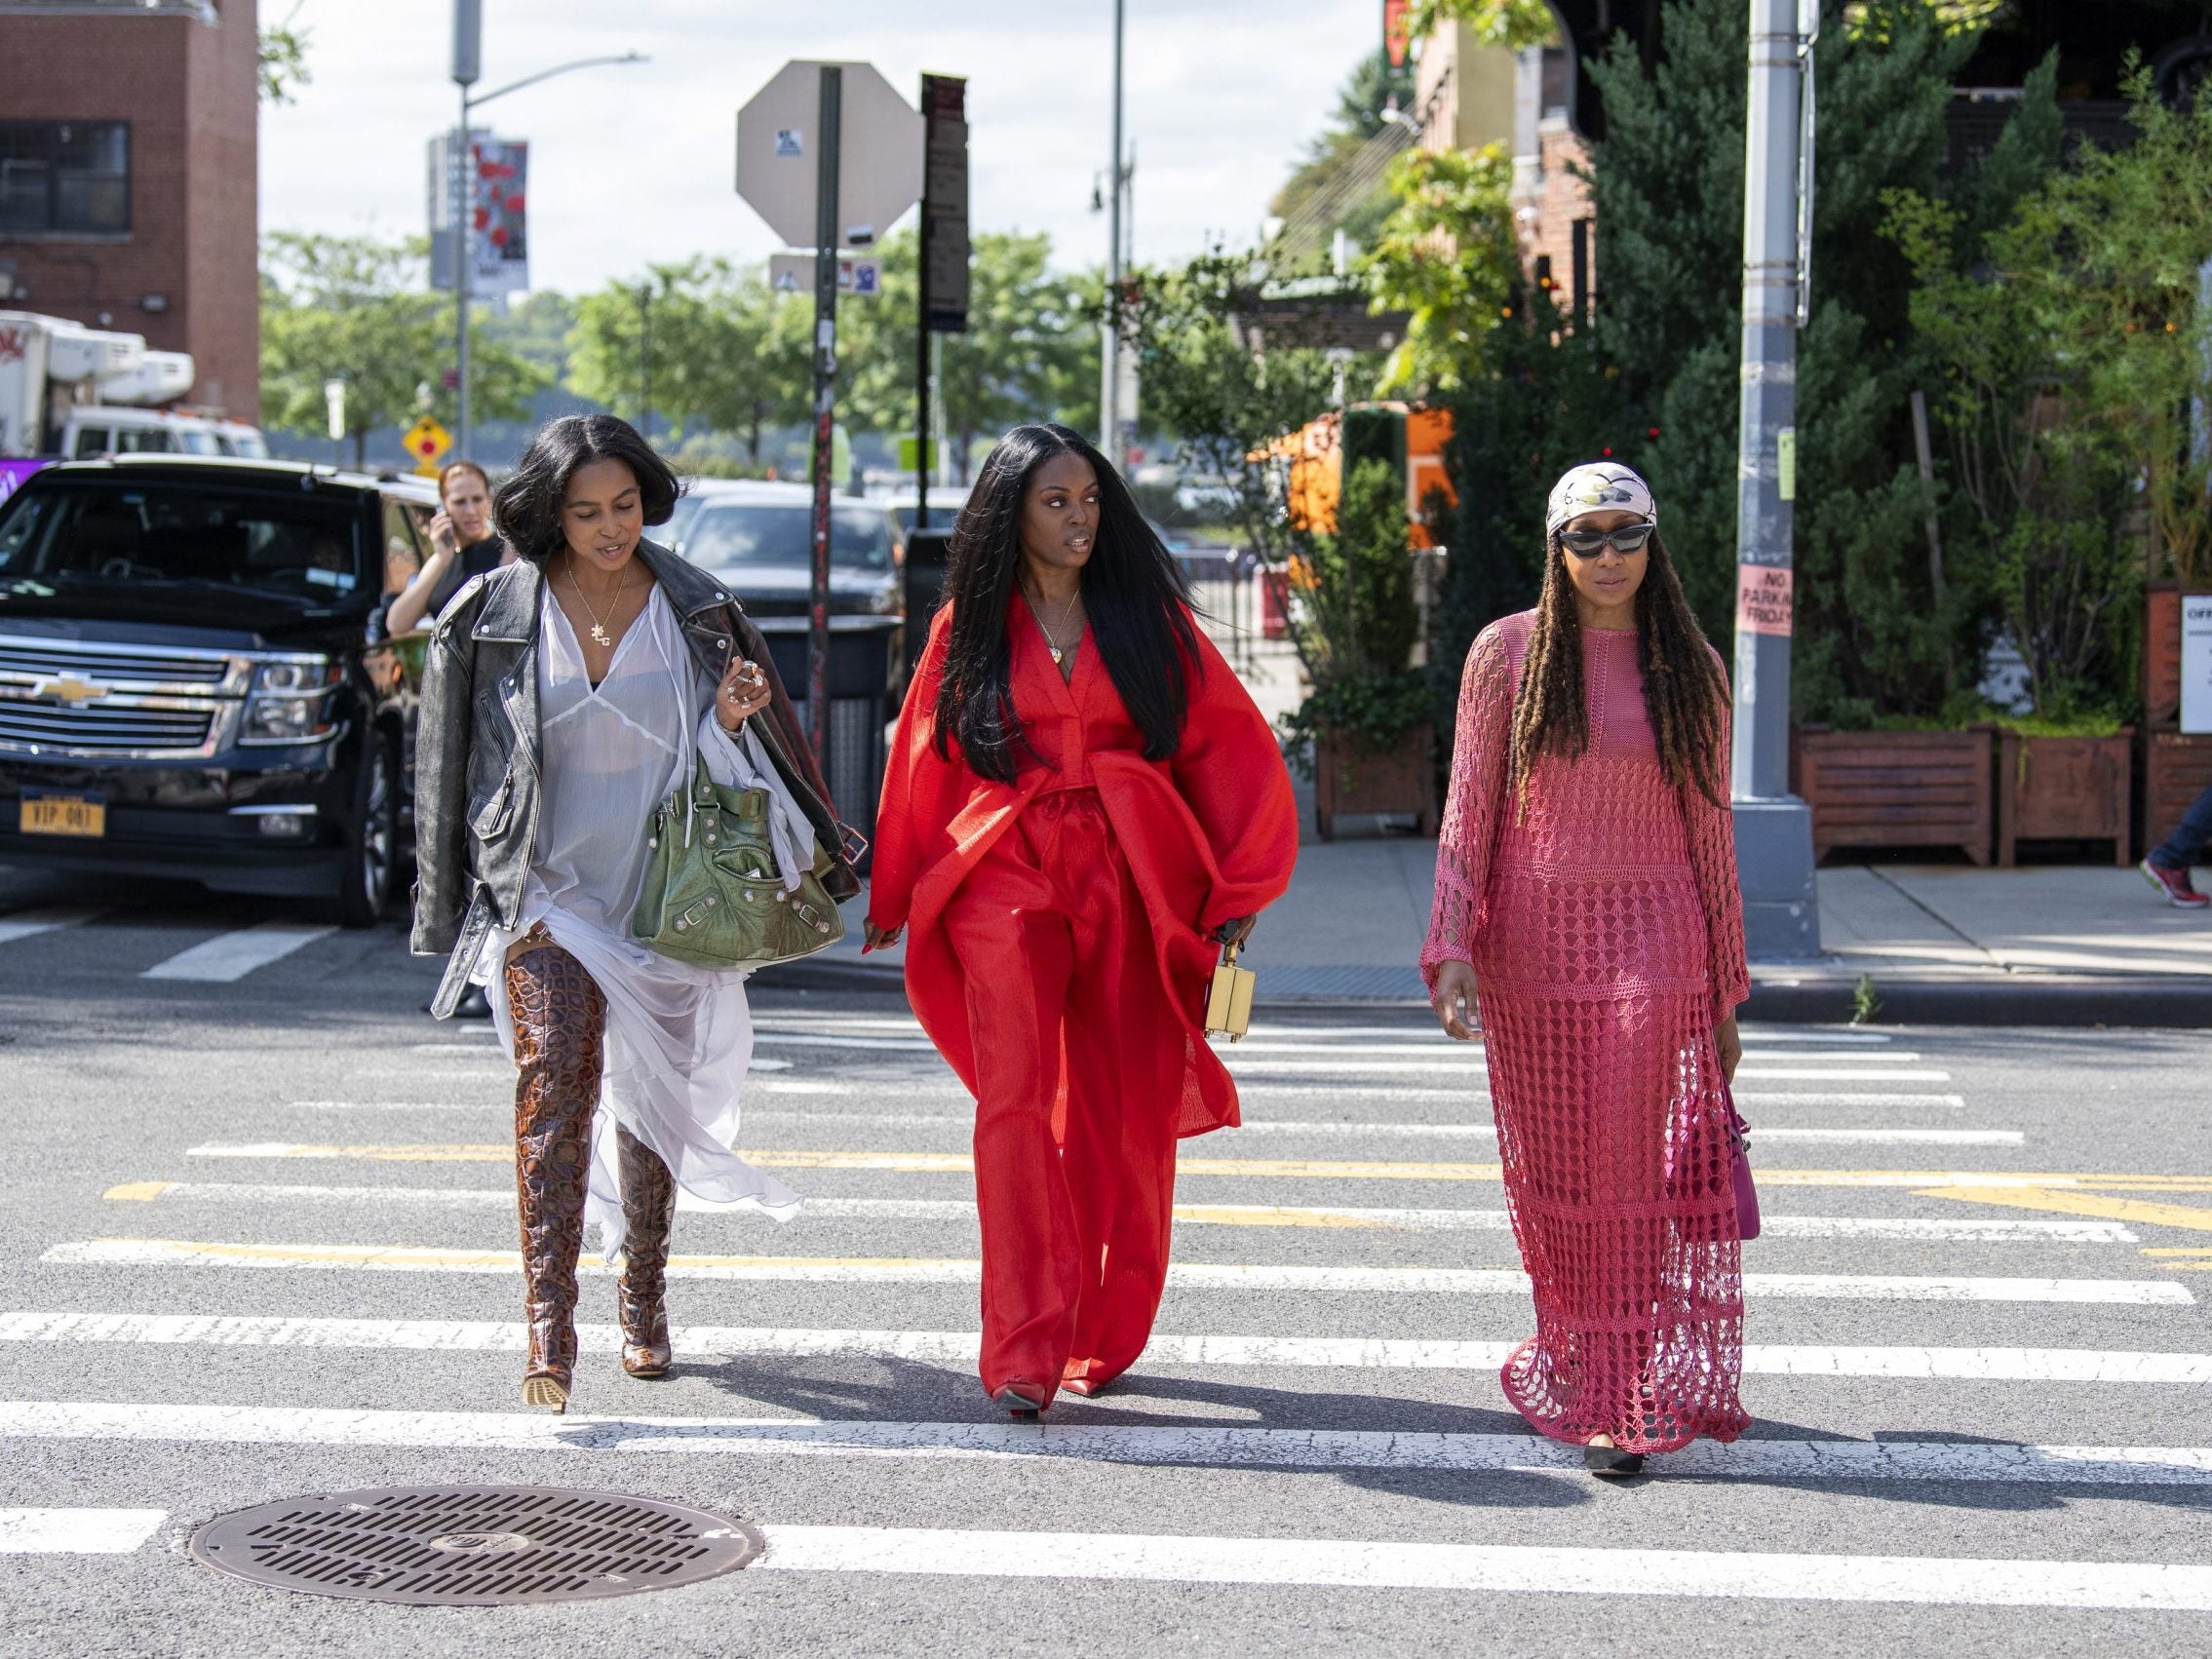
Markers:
point(477, 753)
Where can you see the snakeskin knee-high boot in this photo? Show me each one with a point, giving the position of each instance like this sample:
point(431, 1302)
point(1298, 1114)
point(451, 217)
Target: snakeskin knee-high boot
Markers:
point(649, 1207)
point(559, 1017)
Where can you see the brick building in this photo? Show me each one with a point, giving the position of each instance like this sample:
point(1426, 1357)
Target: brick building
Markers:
point(1470, 95)
point(130, 177)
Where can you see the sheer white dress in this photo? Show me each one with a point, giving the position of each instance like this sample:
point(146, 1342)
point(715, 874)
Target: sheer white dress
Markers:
point(678, 1039)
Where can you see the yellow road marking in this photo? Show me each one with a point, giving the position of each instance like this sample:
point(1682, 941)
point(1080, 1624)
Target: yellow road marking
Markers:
point(143, 1190)
point(2079, 1203)
point(2169, 1252)
point(1276, 1215)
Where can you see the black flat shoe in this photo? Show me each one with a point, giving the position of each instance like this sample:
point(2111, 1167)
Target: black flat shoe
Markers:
point(1612, 1460)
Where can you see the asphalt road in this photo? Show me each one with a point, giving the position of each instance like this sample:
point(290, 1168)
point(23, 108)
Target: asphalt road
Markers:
point(251, 1236)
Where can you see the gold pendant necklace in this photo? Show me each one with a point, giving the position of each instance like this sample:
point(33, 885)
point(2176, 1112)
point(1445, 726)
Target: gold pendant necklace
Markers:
point(1051, 645)
point(600, 635)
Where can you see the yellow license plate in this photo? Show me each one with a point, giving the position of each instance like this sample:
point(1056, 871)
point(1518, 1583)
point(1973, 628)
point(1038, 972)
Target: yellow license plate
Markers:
point(62, 815)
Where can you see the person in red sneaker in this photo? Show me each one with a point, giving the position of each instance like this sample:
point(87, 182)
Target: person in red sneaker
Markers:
point(2167, 866)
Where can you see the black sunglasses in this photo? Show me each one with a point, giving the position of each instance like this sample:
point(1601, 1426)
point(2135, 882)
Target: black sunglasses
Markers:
point(1588, 543)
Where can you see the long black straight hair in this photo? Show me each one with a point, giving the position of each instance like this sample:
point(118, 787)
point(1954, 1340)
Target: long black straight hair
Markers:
point(1133, 593)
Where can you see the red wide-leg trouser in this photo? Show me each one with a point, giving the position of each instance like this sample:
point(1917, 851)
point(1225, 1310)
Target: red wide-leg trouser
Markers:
point(1065, 1000)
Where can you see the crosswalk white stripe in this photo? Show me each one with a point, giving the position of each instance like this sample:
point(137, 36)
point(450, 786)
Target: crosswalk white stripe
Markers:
point(958, 1348)
point(1970, 1229)
point(1435, 1048)
point(1764, 1134)
point(1208, 1445)
point(1535, 1569)
point(1182, 1275)
point(76, 1532)
point(50, 918)
point(785, 1021)
point(1254, 1092)
point(230, 956)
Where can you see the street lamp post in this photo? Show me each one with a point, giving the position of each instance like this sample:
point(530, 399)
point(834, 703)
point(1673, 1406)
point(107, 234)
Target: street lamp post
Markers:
point(468, 17)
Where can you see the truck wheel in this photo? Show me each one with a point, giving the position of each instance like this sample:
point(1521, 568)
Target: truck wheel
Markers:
point(365, 874)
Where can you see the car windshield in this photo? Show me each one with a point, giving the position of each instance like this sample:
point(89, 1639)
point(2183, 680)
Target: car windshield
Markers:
point(114, 529)
point(723, 535)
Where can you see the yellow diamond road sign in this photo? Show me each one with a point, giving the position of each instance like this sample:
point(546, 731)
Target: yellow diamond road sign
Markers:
point(426, 441)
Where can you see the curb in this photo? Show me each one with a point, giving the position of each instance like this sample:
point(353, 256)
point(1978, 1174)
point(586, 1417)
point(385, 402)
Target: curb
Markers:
point(2135, 1002)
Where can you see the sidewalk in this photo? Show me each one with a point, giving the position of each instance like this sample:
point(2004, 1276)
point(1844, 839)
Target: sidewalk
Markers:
point(2073, 944)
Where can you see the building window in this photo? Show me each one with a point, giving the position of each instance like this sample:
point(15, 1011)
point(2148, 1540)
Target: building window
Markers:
point(70, 177)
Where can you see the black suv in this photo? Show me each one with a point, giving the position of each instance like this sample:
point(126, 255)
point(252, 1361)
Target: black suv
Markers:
point(194, 682)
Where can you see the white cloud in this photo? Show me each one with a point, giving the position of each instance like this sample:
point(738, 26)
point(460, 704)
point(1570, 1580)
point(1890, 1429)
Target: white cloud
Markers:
point(636, 164)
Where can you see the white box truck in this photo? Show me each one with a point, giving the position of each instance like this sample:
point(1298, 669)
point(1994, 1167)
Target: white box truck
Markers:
point(79, 393)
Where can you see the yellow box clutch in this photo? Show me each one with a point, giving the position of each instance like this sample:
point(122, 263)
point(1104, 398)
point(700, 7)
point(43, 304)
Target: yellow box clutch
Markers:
point(1228, 1000)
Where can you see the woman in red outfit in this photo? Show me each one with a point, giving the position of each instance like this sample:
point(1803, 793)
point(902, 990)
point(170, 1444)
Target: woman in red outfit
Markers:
point(1586, 884)
point(1081, 804)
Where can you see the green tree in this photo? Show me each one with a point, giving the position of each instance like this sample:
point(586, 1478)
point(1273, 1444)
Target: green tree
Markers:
point(283, 59)
point(535, 328)
point(710, 344)
point(1335, 180)
point(1229, 407)
point(1493, 22)
point(1447, 256)
point(2072, 341)
point(1031, 351)
point(1873, 633)
point(359, 309)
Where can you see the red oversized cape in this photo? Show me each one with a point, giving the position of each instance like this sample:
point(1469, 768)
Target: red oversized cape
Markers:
point(1209, 835)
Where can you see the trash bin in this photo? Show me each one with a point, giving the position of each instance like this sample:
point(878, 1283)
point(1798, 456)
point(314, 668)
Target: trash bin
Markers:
point(865, 657)
point(927, 553)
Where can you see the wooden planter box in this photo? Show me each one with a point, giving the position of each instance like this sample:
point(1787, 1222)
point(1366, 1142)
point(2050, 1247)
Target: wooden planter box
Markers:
point(1896, 789)
point(1351, 777)
point(2177, 768)
point(2064, 788)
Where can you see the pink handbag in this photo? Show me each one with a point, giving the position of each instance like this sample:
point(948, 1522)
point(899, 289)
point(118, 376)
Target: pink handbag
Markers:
point(1739, 1173)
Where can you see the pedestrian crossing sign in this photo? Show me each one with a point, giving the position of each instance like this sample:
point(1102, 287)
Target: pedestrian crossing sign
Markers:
point(426, 441)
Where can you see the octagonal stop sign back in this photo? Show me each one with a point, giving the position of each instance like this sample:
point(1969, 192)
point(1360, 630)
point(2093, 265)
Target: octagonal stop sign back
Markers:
point(879, 159)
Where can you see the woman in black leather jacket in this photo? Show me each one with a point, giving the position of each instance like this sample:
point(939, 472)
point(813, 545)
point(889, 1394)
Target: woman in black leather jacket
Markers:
point(564, 696)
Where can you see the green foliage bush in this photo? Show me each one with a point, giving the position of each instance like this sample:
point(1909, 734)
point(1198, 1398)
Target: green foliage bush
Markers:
point(1357, 620)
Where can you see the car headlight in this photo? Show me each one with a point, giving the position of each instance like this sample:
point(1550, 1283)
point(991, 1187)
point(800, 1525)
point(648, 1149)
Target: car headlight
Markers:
point(291, 702)
point(301, 674)
point(885, 601)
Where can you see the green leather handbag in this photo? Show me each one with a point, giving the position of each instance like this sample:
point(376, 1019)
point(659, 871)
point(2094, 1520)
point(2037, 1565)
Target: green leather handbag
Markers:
point(712, 894)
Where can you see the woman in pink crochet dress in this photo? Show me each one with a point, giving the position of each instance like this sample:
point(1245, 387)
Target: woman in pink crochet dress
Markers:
point(1586, 887)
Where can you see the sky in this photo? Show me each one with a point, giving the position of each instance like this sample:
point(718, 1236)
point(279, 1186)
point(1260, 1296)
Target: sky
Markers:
point(634, 165)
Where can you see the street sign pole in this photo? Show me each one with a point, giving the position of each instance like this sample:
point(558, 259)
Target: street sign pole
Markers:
point(1773, 829)
point(921, 319)
point(944, 252)
point(826, 242)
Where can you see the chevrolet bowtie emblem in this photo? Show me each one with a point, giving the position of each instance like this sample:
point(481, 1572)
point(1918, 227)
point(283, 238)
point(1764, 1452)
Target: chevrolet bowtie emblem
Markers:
point(67, 688)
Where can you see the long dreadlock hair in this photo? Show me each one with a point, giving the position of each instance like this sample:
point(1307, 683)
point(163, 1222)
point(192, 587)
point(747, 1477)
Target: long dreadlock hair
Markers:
point(1685, 691)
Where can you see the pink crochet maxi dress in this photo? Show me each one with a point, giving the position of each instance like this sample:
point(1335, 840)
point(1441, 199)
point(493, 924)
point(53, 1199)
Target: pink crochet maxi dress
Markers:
point(1606, 930)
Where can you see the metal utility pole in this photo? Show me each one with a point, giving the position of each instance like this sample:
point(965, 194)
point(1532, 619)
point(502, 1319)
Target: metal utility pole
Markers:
point(468, 56)
point(825, 241)
point(1110, 353)
point(1774, 827)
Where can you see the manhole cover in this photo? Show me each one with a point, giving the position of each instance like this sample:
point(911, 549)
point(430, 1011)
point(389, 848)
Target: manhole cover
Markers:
point(474, 1546)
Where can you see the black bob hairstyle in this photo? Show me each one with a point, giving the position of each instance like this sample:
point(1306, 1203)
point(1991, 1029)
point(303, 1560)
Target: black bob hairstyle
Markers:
point(526, 508)
point(1134, 593)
